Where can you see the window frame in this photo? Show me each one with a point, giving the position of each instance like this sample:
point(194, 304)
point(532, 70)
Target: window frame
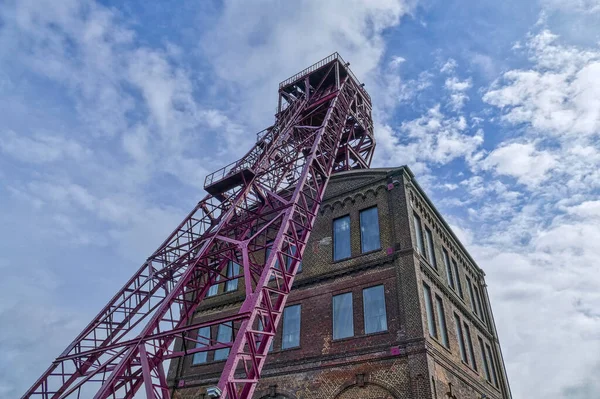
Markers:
point(486, 366)
point(439, 304)
point(448, 266)
point(470, 348)
point(210, 292)
point(471, 294)
point(430, 248)
point(365, 310)
point(260, 327)
point(360, 225)
point(333, 257)
point(429, 313)
point(283, 332)
point(493, 364)
point(461, 339)
point(418, 226)
point(227, 350)
point(235, 282)
point(198, 344)
point(457, 278)
point(333, 315)
point(479, 302)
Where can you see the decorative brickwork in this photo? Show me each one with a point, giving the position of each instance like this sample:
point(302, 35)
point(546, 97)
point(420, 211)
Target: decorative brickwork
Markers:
point(401, 362)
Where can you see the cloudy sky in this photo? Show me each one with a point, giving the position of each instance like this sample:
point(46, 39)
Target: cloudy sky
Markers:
point(112, 112)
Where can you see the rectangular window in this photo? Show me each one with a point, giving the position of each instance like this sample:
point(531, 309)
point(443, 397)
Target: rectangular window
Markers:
point(224, 335)
point(486, 367)
point(430, 248)
point(369, 230)
point(457, 276)
point(471, 295)
point(493, 364)
point(442, 321)
point(203, 340)
point(429, 311)
point(478, 302)
point(470, 346)
point(267, 254)
point(262, 328)
point(214, 289)
point(233, 269)
point(419, 234)
point(291, 327)
point(461, 339)
point(448, 268)
point(289, 259)
point(341, 238)
point(343, 316)
point(374, 309)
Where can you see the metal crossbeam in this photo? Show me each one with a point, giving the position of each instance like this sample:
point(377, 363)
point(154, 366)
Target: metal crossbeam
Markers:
point(260, 215)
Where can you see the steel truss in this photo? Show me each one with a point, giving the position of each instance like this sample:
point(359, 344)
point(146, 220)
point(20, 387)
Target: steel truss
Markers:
point(265, 203)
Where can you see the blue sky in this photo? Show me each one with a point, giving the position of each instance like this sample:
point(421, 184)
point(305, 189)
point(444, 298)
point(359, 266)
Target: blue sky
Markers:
point(113, 112)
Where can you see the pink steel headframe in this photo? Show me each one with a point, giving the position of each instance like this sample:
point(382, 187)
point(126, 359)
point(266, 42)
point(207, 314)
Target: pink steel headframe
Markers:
point(267, 199)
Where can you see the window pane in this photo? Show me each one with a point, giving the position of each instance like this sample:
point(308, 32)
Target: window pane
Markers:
point(442, 321)
point(203, 340)
point(448, 268)
point(470, 346)
point(289, 260)
point(478, 302)
point(214, 289)
point(374, 309)
point(224, 335)
point(471, 295)
point(429, 311)
point(461, 340)
point(458, 283)
point(261, 328)
point(341, 238)
point(267, 254)
point(486, 366)
point(291, 327)
point(233, 269)
point(343, 316)
point(493, 364)
point(419, 233)
point(369, 230)
point(430, 248)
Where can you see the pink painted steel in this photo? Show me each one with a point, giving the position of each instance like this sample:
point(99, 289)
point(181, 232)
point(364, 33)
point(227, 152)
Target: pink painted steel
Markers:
point(259, 215)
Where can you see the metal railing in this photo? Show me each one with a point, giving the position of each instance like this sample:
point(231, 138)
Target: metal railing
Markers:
point(323, 62)
point(250, 159)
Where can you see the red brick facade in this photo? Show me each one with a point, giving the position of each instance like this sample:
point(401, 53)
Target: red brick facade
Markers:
point(402, 362)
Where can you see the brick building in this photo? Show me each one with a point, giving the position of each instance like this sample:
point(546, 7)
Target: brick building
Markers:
point(388, 304)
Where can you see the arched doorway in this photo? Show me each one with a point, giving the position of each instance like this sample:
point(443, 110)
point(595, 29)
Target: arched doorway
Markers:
point(369, 391)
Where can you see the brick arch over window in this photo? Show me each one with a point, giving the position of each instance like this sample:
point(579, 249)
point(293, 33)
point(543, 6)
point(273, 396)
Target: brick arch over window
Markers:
point(368, 391)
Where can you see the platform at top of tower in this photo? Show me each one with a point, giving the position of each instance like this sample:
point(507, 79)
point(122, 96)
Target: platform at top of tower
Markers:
point(319, 67)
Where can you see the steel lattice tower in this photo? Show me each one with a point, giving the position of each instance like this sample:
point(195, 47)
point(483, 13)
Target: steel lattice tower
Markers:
point(264, 203)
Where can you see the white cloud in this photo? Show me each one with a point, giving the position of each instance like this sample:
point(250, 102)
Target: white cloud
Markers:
point(433, 138)
point(586, 210)
point(560, 95)
point(457, 89)
point(449, 66)
point(258, 41)
point(40, 148)
point(521, 161)
point(454, 84)
point(585, 6)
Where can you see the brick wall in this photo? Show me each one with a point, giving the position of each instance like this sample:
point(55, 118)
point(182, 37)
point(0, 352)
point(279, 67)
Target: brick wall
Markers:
point(402, 362)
